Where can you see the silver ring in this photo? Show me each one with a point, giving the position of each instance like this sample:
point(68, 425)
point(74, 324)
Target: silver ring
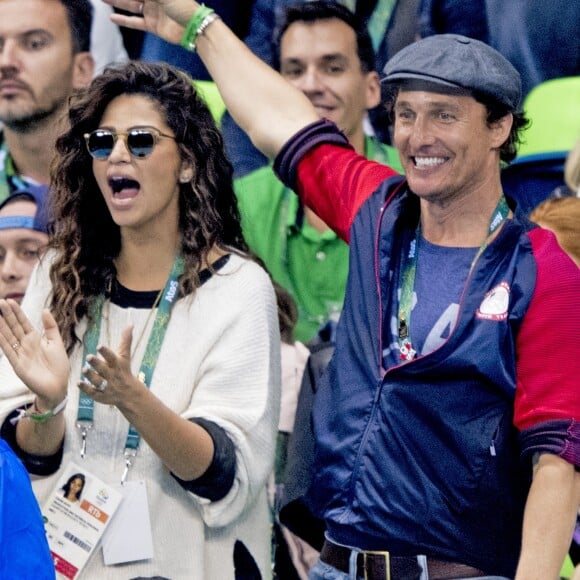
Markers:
point(102, 386)
point(141, 7)
point(16, 345)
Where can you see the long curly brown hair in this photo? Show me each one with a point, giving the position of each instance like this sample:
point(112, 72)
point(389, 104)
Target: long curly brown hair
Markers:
point(85, 238)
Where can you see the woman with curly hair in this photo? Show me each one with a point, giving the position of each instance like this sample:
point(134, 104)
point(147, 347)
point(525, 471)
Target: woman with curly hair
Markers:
point(160, 333)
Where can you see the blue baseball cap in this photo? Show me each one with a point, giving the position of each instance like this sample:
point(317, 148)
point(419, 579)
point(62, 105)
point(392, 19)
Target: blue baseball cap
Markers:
point(37, 194)
point(458, 62)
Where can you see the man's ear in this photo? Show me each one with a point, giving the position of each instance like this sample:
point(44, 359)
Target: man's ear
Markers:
point(501, 129)
point(373, 89)
point(83, 70)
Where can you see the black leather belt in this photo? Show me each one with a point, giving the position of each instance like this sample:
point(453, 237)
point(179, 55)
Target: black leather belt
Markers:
point(373, 565)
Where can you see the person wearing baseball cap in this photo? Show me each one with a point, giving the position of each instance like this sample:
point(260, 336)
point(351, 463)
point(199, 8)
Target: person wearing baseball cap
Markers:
point(447, 425)
point(23, 238)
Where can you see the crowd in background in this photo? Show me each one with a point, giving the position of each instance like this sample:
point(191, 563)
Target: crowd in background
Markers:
point(121, 267)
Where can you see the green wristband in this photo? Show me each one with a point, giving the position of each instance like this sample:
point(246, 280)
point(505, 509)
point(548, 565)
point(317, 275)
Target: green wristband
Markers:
point(192, 29)
point(39, 417)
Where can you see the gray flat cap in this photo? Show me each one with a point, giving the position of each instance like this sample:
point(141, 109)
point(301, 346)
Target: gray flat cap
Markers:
point(457, 61)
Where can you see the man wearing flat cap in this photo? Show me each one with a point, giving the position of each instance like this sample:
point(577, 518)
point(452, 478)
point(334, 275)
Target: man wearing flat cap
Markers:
point(448, 423)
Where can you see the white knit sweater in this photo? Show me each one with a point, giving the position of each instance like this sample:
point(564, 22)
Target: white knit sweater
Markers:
point(219, 361)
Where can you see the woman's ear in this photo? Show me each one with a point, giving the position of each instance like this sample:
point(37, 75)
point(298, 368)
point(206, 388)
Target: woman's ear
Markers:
point(186, 174)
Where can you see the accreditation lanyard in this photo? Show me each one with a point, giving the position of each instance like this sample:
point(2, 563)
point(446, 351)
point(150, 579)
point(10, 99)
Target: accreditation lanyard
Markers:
point(86, 404)
point(407, 352)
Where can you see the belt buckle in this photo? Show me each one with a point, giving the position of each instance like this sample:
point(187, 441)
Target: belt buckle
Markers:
point(385, 555)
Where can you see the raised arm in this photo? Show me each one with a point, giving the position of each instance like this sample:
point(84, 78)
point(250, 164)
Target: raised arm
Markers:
point(265, 106)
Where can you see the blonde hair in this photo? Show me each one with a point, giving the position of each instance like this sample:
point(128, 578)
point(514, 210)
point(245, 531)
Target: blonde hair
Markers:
point(562, 216)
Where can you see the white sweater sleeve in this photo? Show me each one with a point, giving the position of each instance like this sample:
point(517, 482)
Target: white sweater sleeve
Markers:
point(238, 388)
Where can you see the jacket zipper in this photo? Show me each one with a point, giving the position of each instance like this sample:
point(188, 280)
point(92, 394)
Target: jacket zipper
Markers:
point(382, 371)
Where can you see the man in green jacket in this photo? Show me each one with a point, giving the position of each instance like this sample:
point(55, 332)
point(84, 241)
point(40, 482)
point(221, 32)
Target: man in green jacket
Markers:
point(327, 53)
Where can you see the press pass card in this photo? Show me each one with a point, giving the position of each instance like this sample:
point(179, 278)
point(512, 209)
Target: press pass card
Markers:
point(76, 515)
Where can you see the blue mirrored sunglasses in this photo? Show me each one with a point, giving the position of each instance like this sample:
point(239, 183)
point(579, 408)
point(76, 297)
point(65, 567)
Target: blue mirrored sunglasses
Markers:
point(140, 141)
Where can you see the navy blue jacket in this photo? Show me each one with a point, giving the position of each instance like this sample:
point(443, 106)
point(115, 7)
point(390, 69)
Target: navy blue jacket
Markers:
point(427, 457)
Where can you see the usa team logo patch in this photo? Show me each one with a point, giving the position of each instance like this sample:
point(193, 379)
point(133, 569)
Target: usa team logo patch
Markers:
point(495, 304)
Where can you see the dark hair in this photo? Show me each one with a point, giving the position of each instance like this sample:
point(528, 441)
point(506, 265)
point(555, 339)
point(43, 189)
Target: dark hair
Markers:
point(80, 19)
point(321, 10)
point(66, 486)
point(494, 110)
point(85, 236)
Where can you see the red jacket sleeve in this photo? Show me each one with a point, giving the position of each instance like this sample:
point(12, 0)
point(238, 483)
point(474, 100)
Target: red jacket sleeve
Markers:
point(330, 177)
point(547, 405)
point(335, 182)
point(548, 344)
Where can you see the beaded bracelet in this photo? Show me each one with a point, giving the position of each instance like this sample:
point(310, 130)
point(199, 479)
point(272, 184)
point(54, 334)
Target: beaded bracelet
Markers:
point(196, 26)
point(39, 417)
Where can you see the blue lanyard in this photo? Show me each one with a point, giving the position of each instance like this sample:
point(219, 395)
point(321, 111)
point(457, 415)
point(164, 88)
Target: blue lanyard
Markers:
point(86, 404)
point(500, 213)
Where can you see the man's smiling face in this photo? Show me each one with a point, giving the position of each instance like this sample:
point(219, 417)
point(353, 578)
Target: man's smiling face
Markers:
point(321, 59)
point(445, 144)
